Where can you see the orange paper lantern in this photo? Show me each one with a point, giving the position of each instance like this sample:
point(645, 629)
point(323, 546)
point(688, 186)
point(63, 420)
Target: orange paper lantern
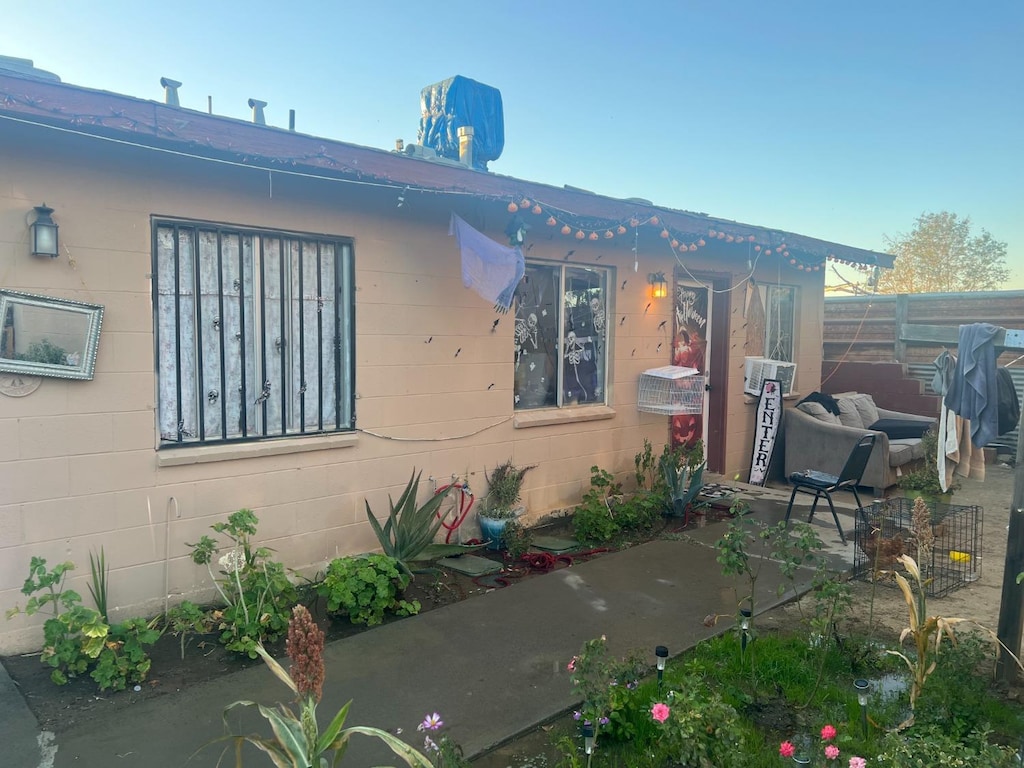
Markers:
point(654, 221)
point(711, 233)
point(621, 230)
point(551, 221)
point(580, 235)
point(664, 234)
point(566, 229)
point(536, 210)
point(512, 207)
point(608, 235)
point(701, 242)
point(525, 203)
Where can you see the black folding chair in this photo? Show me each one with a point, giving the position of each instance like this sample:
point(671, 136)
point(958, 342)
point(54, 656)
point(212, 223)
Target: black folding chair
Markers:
point(824, 484)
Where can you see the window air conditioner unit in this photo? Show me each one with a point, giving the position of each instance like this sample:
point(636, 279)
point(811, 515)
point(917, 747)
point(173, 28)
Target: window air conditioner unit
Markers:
point(758, 369)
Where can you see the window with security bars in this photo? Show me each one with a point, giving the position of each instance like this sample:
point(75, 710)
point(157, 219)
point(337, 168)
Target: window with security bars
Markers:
point(253, 333)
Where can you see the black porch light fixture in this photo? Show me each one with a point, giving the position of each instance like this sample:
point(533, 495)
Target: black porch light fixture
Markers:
point(659, 285)
point(44, 233)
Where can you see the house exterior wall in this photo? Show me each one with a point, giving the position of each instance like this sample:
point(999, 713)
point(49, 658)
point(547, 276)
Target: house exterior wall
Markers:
point(79, 465)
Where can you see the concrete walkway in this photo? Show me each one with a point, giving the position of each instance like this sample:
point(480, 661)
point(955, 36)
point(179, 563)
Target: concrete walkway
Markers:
point(493, 666)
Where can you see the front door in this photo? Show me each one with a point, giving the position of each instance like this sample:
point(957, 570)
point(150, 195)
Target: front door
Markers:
point(691, 348)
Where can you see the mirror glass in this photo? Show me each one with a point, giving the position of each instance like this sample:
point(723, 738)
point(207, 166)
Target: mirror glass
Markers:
point(45, 336)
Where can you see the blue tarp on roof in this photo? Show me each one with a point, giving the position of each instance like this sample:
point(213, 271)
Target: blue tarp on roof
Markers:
point(457, 102)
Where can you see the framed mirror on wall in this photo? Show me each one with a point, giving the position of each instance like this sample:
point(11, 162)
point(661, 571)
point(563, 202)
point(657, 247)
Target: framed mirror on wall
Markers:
point(45, 336)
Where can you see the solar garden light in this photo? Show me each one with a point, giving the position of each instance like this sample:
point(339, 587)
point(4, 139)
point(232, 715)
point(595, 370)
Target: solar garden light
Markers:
point(588, 738)
point(660, 657)
point(861, 685)
point(744, 628)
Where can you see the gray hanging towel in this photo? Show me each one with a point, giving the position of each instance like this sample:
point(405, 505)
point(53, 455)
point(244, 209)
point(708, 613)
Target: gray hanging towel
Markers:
point(489, 268)
point(973, 392)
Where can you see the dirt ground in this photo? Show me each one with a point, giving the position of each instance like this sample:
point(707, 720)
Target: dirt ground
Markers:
point(61, 707)
point(977, 600)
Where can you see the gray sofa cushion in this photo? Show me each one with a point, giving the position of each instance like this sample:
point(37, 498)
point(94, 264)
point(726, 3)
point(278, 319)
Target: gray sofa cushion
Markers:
point(849, 415)
point(818, 411)
point(904, 450)
point(867, 409)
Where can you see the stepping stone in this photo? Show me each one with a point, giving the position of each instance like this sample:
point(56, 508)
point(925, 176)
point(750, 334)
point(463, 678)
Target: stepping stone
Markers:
point(470, 565)
point(554, 544)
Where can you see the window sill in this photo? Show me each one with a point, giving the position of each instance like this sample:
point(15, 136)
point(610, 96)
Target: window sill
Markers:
point(544, 417)
point(205, 454)
point(752, 400)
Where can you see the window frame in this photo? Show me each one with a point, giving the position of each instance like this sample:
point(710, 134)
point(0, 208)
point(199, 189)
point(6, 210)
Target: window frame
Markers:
point(773, 330)
point(291, 255)
point(609, 277)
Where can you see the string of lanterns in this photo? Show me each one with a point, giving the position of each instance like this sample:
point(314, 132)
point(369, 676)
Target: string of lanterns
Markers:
point(679, 242)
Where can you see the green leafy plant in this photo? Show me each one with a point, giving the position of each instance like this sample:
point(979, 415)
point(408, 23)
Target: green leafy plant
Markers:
point(44, 351)
point(366, 588)
point(124, 658)
point(504, 488)
point(408, 533)
point(698, 728)
point(298, 741)
point(256, 591)
point(924, 478)
point(98, 586)
point(440, 748)
point(789, 546)
point(186, 619)
point(517, 539)
point(935, 746)
point(593, 520)
point(603, 683)
point(75, 635)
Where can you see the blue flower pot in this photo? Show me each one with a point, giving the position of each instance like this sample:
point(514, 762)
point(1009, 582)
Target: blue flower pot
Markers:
point(492, 530)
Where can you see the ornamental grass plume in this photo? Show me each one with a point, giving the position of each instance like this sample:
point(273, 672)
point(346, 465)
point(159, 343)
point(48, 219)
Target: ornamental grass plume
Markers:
point(305, 646)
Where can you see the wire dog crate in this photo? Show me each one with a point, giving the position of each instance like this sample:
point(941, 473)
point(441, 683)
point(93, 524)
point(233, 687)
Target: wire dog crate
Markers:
point(885, 531)
point(671, 390)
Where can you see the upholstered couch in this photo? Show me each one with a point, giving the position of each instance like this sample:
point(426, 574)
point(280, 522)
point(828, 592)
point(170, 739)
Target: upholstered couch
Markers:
point(818, 439)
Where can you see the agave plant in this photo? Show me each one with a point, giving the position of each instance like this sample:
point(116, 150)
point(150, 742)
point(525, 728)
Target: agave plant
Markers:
point(684, 483)
point(297, 741)
point(408, 533)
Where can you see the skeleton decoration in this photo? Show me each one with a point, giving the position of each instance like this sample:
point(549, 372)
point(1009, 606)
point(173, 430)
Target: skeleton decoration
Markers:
point(526, 336)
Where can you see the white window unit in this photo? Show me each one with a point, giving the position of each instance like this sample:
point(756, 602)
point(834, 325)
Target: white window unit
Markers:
point(759, 369)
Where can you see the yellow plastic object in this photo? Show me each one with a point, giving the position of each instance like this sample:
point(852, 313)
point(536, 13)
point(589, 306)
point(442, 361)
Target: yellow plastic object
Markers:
point(959, 557)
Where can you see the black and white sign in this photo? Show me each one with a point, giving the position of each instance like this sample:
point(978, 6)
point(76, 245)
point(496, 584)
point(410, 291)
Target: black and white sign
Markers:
point(766, 429)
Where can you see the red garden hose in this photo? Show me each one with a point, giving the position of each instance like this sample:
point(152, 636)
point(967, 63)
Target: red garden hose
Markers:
point(466, 500)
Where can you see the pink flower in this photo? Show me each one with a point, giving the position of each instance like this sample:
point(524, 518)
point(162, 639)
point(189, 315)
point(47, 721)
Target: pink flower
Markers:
point(828, 733)
point(660, 712)
point(786, 749)
point(858, 762)
point(831, 751)
point(571, 666)
point(431, 723)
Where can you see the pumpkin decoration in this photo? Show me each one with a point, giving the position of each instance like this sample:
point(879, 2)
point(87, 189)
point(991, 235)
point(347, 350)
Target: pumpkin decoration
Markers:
point(621, 230)
point(536, 210)
point(566, 229)
point(580, 235)
point(593, 235)
point(551, 221)
point(512, 207)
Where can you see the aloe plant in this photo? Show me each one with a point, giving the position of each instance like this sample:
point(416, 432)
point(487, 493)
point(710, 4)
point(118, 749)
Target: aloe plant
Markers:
point(408, 533)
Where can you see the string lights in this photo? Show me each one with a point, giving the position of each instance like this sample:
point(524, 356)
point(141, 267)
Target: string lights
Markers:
point(583, 228)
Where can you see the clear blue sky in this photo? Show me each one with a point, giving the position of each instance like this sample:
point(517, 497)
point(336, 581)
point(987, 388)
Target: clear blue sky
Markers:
point(843, 121)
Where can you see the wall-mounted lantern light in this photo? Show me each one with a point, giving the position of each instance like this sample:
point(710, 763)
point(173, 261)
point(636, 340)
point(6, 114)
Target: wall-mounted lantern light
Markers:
point(44, 233)
point(659, 285)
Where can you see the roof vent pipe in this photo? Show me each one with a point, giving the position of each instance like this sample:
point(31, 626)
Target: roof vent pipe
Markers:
point(170, 91)
point(257, 111)
point(465, 134)
point(291, 119)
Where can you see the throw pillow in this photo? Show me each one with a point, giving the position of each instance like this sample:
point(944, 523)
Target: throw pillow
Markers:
point(818, 411)
point(849, 416)
point(866, 407)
